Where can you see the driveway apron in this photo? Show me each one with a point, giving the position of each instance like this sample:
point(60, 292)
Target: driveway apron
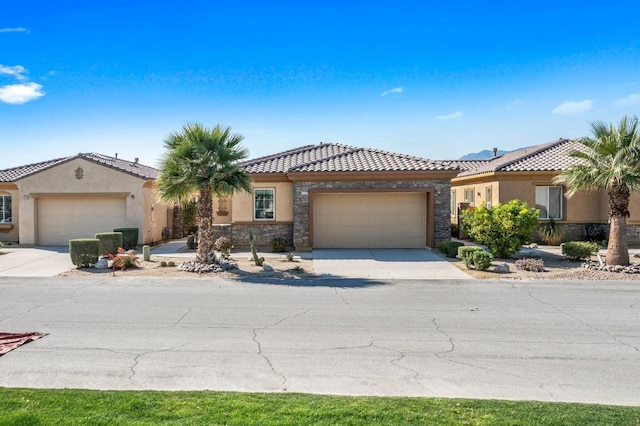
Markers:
point(41, 261)
point(408, 264)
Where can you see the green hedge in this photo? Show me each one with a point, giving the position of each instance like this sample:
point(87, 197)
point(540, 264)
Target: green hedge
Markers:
point(84, 252)
point(466, 254)
point(579, 250)
point(450, 248)
point(481, 260)
point(129, 237)
point(109, 242)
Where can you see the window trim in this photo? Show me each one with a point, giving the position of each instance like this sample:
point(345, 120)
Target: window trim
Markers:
point(452, 203)
point(273, 200)
point(561, 207)
point(3, 212)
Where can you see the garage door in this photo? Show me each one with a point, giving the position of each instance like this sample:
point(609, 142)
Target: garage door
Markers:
point(370, 220)
point(61, 219)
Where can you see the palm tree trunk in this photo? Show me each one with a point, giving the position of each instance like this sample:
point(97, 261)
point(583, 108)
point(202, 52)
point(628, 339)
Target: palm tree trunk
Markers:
point(204, 219)
point(617, 249)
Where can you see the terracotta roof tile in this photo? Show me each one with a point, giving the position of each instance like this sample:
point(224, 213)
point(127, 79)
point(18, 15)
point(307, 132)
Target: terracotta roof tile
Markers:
point(341, 158)
point(550, 156)
point(15, 173)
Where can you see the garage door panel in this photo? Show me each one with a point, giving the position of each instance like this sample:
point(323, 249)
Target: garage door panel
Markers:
point(63, 218)
point(369, 220)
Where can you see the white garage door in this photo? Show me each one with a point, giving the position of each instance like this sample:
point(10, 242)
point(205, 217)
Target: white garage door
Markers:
point(61, 219)
point(370, 220)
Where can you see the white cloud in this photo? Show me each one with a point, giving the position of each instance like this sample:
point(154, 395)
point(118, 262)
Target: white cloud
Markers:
point(14, 30)
point(573, 108)
point(15, 71)
point(456, 114)
point(20, 93)
point(397, 90)
point(632, 99)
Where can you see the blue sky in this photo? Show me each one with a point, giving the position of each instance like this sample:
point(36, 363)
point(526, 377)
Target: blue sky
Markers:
point(432, 79)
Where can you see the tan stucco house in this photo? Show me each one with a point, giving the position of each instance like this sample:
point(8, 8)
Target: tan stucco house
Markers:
point(337, 196)
point(51, 202)
point(527, 174)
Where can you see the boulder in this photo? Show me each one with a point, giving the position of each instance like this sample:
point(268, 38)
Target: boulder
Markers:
point(103, 263)
point(267, 268)
point(502, 268)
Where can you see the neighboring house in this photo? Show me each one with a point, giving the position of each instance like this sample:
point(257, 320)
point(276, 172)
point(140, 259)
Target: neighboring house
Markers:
point(527, 174)
point(50, 202)
point(338, 196)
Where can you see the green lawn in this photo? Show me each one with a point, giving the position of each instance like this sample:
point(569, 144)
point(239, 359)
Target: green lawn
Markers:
point(65, 407)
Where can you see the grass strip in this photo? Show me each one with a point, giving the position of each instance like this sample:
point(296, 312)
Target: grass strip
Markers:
point(67, 407)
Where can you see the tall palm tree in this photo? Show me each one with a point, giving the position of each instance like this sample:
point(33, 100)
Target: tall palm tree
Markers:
point(205, 161)
point(610, 161)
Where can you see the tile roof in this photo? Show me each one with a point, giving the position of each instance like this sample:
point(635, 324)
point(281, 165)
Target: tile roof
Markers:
point(334, 157)
point(549, 156)
point(15, 173)
point(466, 164)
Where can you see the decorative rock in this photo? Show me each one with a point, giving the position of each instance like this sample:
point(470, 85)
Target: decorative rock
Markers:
point(203, 268)
point(533, 246)
point(503, 268)
point(267, 268)
point(103, 263)
point(633, 268)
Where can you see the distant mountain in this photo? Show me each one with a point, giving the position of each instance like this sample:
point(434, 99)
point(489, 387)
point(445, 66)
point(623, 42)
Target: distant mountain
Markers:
point(482, 155)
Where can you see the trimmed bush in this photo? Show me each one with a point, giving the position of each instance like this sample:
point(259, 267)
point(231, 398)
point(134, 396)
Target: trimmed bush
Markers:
point(129, 237)
point(450, 248)
point(529, 264)
point(279, 245)
point(84, 252)
point(109, 242)
point(481, 260)
point(466, 254)
point(503, 228)
point(579, 250)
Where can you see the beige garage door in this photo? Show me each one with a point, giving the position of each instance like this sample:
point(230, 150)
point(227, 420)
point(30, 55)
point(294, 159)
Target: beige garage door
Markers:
point(370, 220)
point(62, 219)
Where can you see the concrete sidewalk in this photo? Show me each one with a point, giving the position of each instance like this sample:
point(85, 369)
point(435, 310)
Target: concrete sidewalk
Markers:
point(41, 261)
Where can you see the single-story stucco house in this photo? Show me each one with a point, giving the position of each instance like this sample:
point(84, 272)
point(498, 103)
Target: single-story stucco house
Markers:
point(51, 202)
point(527, 174)
point(331, 195)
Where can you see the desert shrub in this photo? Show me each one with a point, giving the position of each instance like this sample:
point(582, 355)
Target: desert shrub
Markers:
point(298, 269)
point(529, 264)
point(163, 263)
point(481, 260)
point(129, 237)
point(450, 248)
point(466, 254)
point(258, 261)
point(84, 252)
point(224, 246)
point(192, 241)
point(123, 260)
point(503, 228)
point(455, 231)
point(279, 245)
point(171, 263)
point(289, 257)
point(551, 233)
point(579, 250)
point(109, 242)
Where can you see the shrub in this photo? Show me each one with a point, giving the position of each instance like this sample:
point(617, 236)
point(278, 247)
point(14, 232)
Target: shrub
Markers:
point(455, 231)
point(192, 241)
point(450, 248)
point(109, 242)
point(290, 257)
point(298, 268)
point(123, 260)
point(551, 233)
point(481, 260)
point(466, 254)
point(279, 245)
point(223, 245)
point(528, 264)
point(503, 228)
point(579, 250)
point(129, 237)
point(171, 263)
point(84, 252)
point(163, 263)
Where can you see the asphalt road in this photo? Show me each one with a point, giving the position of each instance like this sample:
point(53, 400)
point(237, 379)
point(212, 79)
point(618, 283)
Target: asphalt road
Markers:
point(554, 341)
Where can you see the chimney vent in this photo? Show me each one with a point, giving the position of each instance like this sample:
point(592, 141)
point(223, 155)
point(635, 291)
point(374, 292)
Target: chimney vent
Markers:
point(116, 155)
point(136, 161)
point(495, 152)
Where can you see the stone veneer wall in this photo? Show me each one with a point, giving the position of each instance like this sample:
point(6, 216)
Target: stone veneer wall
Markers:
point(301, 204)
point(264, 233)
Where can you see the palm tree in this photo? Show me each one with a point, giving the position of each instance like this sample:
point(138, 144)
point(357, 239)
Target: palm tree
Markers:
point(205, 161)
point(609, 161)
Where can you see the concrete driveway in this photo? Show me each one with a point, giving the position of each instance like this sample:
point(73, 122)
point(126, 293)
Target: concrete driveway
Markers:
point(564, 341)
point(385, 264)
point(40, 261)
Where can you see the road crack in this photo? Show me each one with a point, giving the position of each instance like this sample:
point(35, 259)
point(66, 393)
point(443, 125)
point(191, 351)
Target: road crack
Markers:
point(335, 289)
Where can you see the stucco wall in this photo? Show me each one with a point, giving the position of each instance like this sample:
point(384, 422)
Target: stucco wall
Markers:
point(96, 179)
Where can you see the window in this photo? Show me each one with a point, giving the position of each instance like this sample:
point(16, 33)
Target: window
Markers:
point(487, 197)
point(466, 194)
point(549, 202)
point(472, 195)
point(263, 202)
point(5, 208)
point(452, 205)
